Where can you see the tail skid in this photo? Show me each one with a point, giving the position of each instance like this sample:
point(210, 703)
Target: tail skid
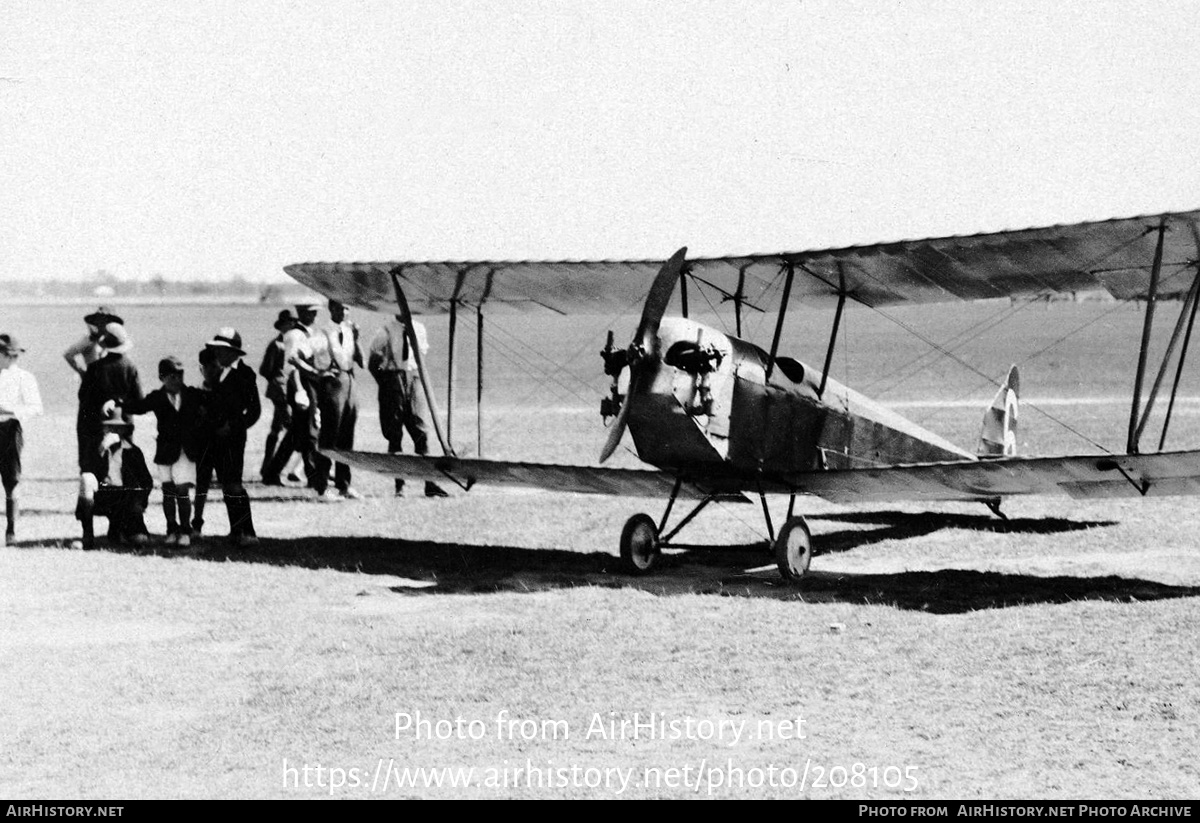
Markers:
point(999, 435)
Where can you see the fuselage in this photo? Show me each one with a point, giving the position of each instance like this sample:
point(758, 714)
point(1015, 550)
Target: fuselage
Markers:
point(707, 403)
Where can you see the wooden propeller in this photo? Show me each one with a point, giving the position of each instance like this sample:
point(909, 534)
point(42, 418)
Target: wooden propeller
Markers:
point(645, 344)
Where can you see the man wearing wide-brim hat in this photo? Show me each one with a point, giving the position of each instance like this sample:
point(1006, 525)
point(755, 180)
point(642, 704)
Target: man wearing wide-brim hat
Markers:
point(277, 371)
point(102, 316)
point(87, 350)
point(234, 408)
point(303, 426)
point(19, 400)
point(111, 378)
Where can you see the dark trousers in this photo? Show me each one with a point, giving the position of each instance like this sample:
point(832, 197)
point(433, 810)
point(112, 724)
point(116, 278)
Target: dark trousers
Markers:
point(228, 459)
point(12, 441)
point(281, 420)
point(226, 456)
point(339, 416)
point(301, 436)
point(204, 476)
point(124, 507)
point(402, 408)
point(84, 442)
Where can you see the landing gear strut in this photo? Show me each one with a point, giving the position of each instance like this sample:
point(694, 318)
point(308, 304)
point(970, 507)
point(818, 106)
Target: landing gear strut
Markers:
point(642, 541)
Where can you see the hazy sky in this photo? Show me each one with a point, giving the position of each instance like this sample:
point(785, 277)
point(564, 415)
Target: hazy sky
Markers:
point(210, 138)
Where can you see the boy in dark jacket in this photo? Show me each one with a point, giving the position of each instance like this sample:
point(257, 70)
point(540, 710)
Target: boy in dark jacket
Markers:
point(177, 408)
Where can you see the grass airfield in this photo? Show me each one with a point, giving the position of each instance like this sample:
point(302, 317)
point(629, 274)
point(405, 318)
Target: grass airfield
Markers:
point(936, 652)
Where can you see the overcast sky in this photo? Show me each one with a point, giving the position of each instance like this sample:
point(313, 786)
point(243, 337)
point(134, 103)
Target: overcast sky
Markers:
point(211, 138)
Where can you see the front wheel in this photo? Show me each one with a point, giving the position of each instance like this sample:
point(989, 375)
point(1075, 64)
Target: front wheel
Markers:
point(639, 544)
point(793, 549)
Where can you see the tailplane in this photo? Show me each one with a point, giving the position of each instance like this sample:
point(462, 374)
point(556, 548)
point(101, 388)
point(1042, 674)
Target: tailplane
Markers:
point(999, 435)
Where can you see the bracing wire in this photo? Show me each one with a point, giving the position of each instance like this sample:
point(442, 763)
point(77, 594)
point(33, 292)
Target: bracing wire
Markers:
point(1118, 306)
point(514, 356)
point(918, 363)
point(1002, 316)
point(989, 381)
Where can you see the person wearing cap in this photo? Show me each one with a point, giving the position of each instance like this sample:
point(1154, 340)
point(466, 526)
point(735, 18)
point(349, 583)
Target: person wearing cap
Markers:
point(19, 400)
point(402, 405)
point(336, 354)
point(177, 408)
point(234, 407)
point(112, 377)
point(118, 488)
point(277, 371)
point(87, 350)
point(304, 417)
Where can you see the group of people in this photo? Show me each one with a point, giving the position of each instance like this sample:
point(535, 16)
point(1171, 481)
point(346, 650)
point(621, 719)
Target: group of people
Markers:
point(310, 371)
point(201, 432)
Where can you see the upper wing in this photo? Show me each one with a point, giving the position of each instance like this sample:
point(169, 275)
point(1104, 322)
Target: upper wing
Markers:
point(1116, 255)
point(1090, 476)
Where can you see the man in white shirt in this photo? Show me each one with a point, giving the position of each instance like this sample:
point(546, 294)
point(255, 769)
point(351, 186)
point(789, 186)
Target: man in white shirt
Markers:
point(336, 354)
point(402, 403)
point(19, 400)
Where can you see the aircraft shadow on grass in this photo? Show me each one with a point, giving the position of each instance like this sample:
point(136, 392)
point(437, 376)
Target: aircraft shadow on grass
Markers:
point(740, 571)
point(896, 525)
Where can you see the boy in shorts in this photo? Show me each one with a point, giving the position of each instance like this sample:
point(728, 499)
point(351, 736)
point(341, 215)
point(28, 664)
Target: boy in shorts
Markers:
point(176, 406)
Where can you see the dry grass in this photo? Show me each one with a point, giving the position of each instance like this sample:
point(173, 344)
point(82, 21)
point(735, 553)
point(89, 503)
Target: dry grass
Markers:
point(1049, 657)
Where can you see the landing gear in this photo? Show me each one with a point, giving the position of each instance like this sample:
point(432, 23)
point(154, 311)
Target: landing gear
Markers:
point(642, 540)
point(640, 546)
point(793, 549)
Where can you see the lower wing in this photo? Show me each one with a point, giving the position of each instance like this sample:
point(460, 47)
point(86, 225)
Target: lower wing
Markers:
point(466, 472)
point(1080, 476)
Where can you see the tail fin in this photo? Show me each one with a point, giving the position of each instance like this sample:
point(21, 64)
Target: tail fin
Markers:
point(999, 435)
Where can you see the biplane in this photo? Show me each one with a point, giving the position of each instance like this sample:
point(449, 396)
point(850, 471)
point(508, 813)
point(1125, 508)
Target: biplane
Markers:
point(718, 416)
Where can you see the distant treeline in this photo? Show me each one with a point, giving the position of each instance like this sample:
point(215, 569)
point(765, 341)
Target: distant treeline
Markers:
point(105, 285)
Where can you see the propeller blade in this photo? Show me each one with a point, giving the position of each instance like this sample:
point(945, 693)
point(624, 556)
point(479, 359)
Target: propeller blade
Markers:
point(618, 428)
point(646, 337)
point(658, 299)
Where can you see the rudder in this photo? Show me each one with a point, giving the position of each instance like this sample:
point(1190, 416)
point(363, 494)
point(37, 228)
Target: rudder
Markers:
point(999, 435)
